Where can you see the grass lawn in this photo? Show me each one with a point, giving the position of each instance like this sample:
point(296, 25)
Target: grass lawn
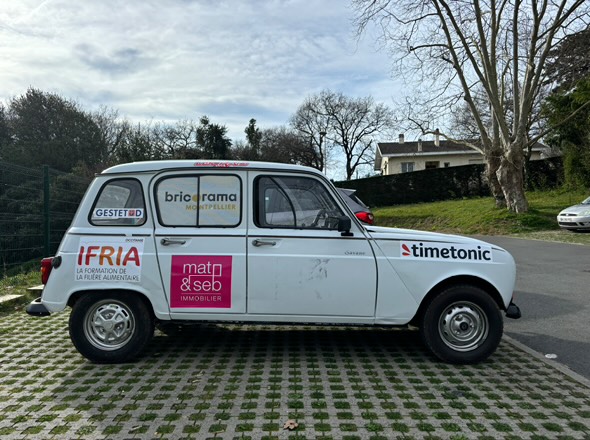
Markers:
point(18, 284)
point(480, 216)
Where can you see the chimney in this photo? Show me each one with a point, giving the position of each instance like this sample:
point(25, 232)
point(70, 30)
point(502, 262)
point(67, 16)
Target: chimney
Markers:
point(401, 138)
point(437, 138)
point(419, 145)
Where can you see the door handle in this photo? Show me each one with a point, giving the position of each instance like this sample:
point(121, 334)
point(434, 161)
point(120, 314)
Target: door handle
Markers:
point(168, 241)
point(258, 242)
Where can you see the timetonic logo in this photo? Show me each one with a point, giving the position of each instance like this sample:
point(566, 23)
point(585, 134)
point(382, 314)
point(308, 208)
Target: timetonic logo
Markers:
point(441, 251)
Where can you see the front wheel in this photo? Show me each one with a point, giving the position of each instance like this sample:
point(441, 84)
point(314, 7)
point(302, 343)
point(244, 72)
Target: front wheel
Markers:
point(110, 327)
point(462, 325)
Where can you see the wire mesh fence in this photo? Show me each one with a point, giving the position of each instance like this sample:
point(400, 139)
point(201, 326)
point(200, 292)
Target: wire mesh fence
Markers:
point(36, 208)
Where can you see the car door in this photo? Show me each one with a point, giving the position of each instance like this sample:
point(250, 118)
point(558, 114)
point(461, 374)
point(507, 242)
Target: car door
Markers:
point(298, 261)
point(200, 238)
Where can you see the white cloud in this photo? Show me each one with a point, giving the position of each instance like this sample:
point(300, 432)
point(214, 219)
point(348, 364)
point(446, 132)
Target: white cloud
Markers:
point(176, 59)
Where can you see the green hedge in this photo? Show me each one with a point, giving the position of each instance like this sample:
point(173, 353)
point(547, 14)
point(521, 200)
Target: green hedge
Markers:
point(446, 183)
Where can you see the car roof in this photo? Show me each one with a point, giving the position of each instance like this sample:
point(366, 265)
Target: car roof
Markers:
point(162, 165)
point(353, 204)
point(347, 191)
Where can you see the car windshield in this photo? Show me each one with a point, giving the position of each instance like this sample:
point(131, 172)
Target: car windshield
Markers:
point(586, 202)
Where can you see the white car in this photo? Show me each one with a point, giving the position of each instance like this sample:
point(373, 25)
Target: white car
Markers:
point(185, 241)
point(575, 218)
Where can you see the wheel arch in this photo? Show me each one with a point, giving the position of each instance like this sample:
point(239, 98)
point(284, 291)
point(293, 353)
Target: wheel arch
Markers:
point(74, 297)
point(454, 281)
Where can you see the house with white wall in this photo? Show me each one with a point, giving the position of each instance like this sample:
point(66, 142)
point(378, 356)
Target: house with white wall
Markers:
point(403, 157)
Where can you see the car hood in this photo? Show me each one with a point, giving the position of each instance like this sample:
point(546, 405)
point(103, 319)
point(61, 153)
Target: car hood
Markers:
point(576, 209)
point(380, 232)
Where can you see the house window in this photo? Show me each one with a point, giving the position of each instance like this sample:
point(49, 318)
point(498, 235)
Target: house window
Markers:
point(407, 167)
point(431, 165)
point(447, 164)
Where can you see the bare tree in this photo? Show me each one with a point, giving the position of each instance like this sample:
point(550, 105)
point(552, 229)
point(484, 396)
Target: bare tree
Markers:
point(452, 49)
point(311, 123)
point(112, 133)
point(346, 123)
point(178, 141)
point(284, 145)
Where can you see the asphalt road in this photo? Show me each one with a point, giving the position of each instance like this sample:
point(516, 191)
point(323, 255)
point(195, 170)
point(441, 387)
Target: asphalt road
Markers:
point(553, 293)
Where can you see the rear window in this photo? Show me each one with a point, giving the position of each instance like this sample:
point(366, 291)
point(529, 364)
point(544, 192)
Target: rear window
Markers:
point(120, 202)
point(199, 201)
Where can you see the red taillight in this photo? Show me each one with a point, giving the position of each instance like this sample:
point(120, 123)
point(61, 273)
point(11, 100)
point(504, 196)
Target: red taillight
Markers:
point(365, 217)
point(46, 265)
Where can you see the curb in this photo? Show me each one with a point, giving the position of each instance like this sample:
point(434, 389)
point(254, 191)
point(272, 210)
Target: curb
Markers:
point(554, 364)
point(14, 299)
point(8, 299)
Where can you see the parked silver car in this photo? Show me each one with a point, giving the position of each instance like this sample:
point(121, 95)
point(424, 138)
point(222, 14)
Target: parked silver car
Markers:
point(575, 217)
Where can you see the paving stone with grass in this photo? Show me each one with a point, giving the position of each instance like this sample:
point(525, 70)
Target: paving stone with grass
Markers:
point(246, 381)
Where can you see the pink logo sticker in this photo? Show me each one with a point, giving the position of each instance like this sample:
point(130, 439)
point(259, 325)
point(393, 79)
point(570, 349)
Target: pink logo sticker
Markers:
point(200, 282)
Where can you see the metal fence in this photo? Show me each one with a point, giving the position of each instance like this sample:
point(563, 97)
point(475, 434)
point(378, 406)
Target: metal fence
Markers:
point(36, 208)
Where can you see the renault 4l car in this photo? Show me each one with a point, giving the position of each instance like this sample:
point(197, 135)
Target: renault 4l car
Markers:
point(181, 242)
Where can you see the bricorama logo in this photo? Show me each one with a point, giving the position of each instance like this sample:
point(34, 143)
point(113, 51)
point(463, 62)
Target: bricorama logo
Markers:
point(439, 251)
point(205, 197)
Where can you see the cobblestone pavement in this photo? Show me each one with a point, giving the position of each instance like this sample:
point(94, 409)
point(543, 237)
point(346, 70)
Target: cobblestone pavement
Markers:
point(244, 381)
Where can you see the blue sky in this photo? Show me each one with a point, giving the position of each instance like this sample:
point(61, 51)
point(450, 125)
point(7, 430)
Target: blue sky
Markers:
point(180, 59)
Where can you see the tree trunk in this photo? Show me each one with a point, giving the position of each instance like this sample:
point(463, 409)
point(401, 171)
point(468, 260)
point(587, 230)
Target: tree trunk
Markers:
point(511, 177)
point(492, 165)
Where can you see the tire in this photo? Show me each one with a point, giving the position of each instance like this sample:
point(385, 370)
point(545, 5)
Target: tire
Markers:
point(462, 325)
point(110, 327)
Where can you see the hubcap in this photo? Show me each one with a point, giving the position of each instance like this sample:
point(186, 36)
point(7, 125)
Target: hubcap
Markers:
point(109, 325)
point(463, 326)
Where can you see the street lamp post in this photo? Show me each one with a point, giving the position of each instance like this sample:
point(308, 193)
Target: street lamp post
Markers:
point(324, 158)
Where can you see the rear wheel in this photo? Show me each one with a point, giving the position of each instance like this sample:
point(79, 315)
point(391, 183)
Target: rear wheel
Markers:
point(462, 325)
point(110, 327)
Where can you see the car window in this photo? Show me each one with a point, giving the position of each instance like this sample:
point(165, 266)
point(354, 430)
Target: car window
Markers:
point(295, 202)
point(199, 201)
point(354, 197)
point(119, 203)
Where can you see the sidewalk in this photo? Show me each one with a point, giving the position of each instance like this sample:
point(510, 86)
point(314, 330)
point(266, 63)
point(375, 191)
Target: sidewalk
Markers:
point(243, 381)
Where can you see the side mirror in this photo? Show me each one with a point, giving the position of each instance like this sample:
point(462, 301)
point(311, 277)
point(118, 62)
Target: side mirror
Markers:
point(344, 225)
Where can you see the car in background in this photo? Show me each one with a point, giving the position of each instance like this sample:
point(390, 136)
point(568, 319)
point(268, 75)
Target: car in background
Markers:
point(575, 218)
point(362, 211)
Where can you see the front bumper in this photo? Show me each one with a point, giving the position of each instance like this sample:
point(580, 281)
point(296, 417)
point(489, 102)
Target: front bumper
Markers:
point(573, 222)
point(36, 308)
point(513, 311)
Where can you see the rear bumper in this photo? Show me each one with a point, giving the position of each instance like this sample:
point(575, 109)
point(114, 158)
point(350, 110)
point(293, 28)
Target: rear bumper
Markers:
point(36, 308)
point(513, 311)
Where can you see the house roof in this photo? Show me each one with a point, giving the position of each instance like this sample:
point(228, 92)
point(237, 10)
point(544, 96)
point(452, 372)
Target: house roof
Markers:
point(395, 148)
point(428, 148)
point(391, 149)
